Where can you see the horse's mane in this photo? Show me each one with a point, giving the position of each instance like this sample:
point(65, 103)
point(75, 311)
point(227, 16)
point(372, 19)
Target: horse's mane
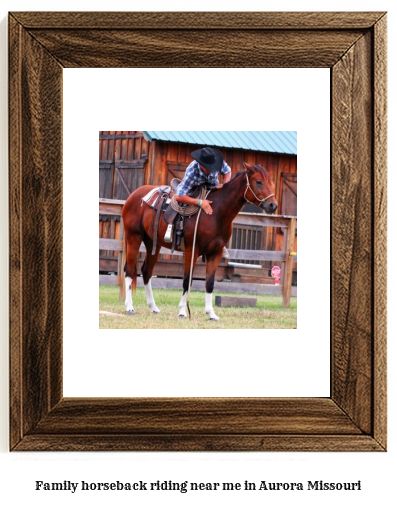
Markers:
point(238, 174)
point(257, 167)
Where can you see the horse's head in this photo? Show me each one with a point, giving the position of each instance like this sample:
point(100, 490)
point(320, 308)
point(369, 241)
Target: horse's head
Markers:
point(260, 188)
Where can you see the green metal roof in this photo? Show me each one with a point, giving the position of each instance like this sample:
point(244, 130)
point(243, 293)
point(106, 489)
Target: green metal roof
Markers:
point(267, 141)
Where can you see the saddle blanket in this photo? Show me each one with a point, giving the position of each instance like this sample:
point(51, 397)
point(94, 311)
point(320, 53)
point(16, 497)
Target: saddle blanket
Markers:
point(151, 197)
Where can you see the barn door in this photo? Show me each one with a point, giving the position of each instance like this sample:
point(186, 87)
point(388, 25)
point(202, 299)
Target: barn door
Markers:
point(175, 170)
point(122, 159)
point(105, 179)
point(118, 179)
point(289, 194)
point(128, 177)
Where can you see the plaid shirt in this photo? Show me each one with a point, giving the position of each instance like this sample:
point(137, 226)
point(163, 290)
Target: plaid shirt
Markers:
point(194, 177)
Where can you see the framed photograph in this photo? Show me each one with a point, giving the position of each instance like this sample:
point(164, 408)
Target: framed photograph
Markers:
point(353, 46)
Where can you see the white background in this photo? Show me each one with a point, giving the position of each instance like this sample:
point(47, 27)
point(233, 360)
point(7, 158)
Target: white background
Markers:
point(19, 471)
point(255, 363)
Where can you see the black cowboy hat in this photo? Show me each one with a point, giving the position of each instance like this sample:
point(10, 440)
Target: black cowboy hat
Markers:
point(210, 158)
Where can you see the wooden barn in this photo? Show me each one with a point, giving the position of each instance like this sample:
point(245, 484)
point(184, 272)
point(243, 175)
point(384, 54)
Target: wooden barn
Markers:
point(129, 159)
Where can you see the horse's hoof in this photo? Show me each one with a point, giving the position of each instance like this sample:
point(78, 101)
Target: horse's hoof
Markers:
point(182, 316)
point(214, 317)
point(156, 311)
point(130, 312)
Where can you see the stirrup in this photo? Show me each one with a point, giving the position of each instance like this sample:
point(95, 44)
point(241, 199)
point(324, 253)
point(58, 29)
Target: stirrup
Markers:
point(168, 234)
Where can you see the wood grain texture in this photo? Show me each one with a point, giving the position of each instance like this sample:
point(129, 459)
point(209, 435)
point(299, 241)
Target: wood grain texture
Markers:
point(352, 232)
point(15, 227)
point(36, 230)
point(194, 416)
point(196, 48)
point(199, 443)
point(380, 228)
point(42, 249)
point(201, 21)
point(298, 424)
point(353, 45)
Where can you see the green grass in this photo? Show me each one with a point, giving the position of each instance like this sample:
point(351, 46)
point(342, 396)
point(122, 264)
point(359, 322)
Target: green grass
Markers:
point(268, 314)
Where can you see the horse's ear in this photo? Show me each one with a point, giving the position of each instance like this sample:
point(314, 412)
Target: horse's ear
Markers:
point(248, 167)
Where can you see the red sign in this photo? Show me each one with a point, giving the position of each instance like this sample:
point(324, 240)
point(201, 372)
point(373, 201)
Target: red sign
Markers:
point(276, 272)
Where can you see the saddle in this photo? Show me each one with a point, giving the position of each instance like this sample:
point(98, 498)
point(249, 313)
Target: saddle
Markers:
point(159, 199)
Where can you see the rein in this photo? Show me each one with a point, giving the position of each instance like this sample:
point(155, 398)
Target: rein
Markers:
point(193, 248)
point(253, 193)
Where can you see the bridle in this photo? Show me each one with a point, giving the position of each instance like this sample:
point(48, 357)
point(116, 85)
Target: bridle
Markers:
point(253, 193)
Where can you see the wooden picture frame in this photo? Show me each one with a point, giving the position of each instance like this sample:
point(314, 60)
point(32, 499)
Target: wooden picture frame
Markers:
point(353, 46)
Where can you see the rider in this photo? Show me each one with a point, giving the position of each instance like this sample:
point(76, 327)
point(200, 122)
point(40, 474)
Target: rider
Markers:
point(208, 163)
point(204, 170)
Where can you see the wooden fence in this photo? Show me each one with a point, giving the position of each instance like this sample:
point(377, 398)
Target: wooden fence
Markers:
point(229, 270)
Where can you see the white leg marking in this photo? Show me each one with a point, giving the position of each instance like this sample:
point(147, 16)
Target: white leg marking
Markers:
point(182, 306)
point(209, 308)
point(128, 295)
point(149, 298)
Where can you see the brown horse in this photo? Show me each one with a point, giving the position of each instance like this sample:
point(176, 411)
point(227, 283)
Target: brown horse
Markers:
point(213, 232)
